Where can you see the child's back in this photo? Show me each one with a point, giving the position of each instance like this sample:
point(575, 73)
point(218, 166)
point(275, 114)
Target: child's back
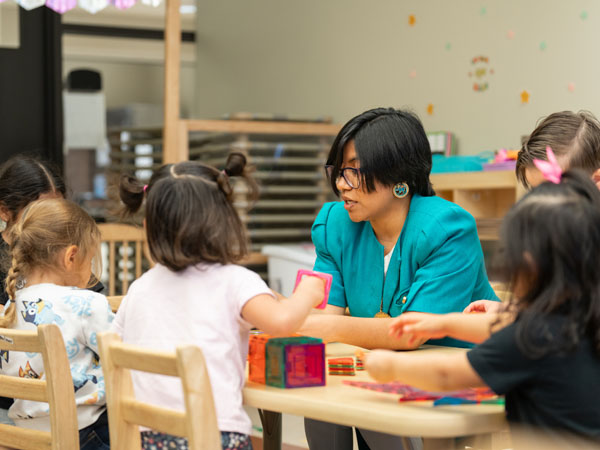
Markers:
point(80, 314)
point(200, 305)
point(555, 392)
point(197, 295)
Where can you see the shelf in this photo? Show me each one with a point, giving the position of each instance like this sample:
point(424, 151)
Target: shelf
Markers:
point(474, 180)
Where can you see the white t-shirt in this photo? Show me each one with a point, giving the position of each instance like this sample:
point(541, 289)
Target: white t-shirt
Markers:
point(80, 314)
point(202, 306)
point(386, 260)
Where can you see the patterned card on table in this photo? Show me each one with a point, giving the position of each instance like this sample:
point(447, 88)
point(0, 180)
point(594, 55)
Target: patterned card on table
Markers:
point(410, 394)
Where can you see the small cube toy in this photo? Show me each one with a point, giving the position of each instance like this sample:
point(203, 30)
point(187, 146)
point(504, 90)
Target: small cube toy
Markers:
point(341, 366)
point(359, 364)
point(256, 357)
point(295, 362)
point(324, 276)
point(359, 355)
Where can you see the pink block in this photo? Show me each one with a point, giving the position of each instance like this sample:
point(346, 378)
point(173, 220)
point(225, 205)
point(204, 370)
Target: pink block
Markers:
point(324, 276)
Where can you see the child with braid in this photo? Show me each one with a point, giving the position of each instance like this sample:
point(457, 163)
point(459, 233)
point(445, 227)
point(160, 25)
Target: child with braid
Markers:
point(53, 246)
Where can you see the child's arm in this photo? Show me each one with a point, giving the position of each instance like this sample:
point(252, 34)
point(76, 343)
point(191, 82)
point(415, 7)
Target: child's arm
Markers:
point(483, 306)
point(467, 327)
point(284, 317)
point(424, 369)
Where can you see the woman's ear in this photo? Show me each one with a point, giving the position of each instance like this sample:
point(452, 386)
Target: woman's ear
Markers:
point(596, 177)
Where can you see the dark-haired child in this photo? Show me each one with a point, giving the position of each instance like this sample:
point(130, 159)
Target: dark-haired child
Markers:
point(546, 362)
point(22, 180)
point(196, 294)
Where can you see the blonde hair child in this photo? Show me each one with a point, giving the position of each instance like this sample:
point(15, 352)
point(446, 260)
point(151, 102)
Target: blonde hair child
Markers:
point(54, 246)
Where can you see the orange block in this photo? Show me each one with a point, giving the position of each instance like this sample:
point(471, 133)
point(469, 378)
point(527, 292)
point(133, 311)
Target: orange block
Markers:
point(256, 357)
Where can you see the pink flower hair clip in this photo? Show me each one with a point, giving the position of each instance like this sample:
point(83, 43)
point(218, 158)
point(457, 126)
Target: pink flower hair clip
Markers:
point(550, 169)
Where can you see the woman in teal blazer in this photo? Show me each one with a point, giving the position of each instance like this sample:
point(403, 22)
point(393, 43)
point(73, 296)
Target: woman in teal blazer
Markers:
point(436, 265)
point(391, 244)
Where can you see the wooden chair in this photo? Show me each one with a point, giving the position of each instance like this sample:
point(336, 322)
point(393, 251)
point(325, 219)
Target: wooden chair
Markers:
point(127, 236)
point(115, 301)
point(199, 422)
point(56, 390)
point(501, 291)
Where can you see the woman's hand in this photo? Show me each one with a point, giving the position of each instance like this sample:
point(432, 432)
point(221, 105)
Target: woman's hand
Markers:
point(380, 365)
point(483, 306)
point(419, 326)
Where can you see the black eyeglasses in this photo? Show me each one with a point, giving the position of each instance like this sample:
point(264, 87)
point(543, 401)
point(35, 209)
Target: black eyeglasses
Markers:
point(350, 175)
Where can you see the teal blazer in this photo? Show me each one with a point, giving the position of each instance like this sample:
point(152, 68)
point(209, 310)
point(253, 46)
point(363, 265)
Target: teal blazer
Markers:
point(436, 266)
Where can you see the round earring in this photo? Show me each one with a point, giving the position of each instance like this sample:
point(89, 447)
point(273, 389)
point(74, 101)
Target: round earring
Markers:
point(401, 190)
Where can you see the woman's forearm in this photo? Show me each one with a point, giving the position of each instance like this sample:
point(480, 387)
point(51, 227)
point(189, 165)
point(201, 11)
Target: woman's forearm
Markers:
point(360, 331)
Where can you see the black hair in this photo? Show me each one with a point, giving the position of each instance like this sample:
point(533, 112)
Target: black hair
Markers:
point(190, 217)
point(23, 179)
point(392, 147)
point(550, 252)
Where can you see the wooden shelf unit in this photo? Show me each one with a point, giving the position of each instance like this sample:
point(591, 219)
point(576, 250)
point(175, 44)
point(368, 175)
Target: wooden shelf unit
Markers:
point(486, 195)
point(289, 169)
point(288, 159)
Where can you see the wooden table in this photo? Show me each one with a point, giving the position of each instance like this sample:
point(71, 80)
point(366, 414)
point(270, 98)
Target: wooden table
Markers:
point(347, 405)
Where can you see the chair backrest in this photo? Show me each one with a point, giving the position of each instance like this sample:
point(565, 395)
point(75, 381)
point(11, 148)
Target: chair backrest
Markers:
point(122, 240)
point(56, 390)
point(198, 423)
point(501, 290)
point(115, 301)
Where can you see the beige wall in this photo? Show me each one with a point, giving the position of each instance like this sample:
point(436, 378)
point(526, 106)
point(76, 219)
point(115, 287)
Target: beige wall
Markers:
point(340, 57)
point(9, 25)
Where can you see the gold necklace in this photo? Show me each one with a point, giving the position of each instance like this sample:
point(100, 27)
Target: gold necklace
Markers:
point(381, 314)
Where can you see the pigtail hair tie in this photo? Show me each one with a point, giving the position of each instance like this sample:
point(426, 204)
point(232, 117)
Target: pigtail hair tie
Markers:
point(550, 169)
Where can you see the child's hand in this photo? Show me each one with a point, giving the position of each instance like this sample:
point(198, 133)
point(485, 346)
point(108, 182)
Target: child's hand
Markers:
point(312, 287)
point(418, 325)
point(483, 306)
point(380, 365)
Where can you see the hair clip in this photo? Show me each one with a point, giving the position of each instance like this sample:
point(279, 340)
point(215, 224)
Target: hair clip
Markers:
point(550, 169)
point(145, 188)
